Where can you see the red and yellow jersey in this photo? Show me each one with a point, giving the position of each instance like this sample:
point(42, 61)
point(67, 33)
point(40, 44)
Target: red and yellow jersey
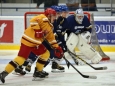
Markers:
point(36, 23)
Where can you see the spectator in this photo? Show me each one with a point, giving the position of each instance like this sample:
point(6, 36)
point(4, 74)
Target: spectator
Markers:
point(89, 5)
point(4, 1)
point(47, 3)
point(34, 1)
point(72, 4)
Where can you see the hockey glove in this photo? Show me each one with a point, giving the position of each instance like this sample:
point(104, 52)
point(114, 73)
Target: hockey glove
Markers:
point(58, 52)
point(39, 33)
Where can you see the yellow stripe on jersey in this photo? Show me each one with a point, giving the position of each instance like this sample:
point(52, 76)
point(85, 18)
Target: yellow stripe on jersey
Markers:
point(31, 39)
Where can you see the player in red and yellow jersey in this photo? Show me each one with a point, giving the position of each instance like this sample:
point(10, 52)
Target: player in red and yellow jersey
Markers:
point(40, 28)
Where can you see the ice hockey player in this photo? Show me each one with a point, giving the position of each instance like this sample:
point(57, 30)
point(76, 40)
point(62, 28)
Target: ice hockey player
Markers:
point(60, 27)
point(59, 24)
point(80, 28)
point(31, 41)
point(32, 57)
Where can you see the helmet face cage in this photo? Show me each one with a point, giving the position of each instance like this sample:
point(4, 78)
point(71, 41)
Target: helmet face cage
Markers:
point(79, 15)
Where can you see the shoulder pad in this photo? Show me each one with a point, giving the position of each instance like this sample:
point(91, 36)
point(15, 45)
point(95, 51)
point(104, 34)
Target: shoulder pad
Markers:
point(45, 19)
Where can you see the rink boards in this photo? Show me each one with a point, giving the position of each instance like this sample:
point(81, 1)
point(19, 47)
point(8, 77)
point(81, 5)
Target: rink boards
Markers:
point(10, 38)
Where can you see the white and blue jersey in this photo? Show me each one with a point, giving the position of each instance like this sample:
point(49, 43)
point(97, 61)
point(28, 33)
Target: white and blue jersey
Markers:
point(76, 27)
point(60, 25)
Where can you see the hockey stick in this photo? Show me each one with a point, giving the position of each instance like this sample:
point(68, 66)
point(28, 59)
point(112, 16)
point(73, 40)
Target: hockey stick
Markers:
point(75, 60)
point(96, 68)
point(68, 63)
point(85, 76)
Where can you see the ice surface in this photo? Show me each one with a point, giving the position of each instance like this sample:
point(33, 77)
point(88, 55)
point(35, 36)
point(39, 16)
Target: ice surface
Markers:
point(69, 78)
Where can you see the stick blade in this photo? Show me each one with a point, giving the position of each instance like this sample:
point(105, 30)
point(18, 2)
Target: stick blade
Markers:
point(105, 68)
point(100, 68)
point(90, 77)
point(93, 77)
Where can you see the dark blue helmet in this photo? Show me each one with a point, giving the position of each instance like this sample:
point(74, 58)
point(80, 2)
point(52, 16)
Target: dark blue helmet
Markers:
point(56, 8)
point(64, 7)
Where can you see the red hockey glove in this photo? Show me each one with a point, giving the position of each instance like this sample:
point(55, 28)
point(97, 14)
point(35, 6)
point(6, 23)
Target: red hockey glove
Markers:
point(39, 33)
point(58, 52)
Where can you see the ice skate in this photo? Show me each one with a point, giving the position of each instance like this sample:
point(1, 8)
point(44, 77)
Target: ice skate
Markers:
point(28, 69)
point(57, 68)
point(19, 71)
point(43, 72)
point(2, 76)
point(38, 75)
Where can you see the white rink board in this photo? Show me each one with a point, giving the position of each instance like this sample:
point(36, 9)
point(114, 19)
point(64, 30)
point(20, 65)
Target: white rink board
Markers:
point(19, 24)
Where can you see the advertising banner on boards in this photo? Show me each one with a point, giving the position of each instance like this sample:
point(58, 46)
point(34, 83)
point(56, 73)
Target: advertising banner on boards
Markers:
point(6, 31)
point(105, 32)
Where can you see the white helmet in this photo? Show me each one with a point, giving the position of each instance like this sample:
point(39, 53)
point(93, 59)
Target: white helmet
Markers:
point(79, 15)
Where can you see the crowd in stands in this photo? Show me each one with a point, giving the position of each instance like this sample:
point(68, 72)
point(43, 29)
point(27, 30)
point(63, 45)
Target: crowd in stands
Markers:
point(87, 5)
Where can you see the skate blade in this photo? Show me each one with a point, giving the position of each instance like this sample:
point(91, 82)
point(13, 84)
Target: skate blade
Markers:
point(14, 73)
point(46, 76)
point(57, 71)
point(2, 81)
point(27, 72)
point(37, 79)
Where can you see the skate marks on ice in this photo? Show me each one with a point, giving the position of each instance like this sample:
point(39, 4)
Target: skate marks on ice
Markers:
point(68, 78)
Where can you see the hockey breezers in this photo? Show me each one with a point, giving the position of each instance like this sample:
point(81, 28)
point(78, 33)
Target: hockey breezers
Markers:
point(95, 68)
point(84, 76)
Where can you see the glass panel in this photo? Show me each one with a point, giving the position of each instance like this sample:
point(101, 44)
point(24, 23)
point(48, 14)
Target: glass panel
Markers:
point(112, 7)
point(19, 7)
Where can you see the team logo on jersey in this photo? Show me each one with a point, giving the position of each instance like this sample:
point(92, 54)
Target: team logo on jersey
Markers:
point(78, 27)
point(60, 27)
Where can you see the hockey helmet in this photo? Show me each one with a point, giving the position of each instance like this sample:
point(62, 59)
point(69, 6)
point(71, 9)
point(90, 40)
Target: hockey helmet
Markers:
point(79, 15)
point(63, 8)
point(56, 8)
point(50, 11)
